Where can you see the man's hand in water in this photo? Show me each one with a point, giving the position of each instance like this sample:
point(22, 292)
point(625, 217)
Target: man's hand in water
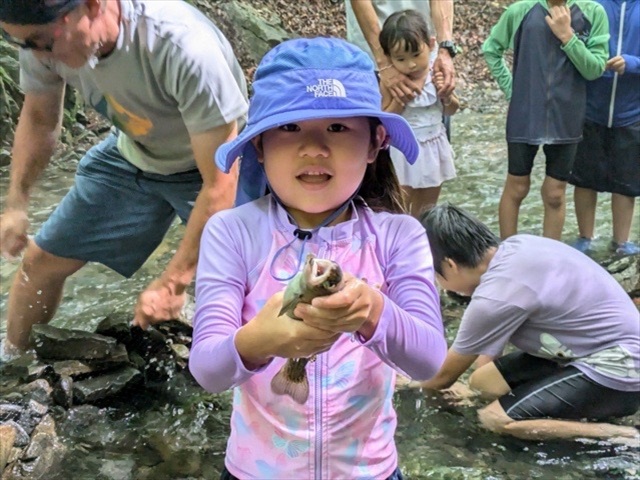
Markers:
point(14, 224)
point(161, 301)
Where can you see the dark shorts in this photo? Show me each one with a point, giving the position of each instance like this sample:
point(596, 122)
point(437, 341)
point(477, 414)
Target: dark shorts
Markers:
point(541, 388)
point(559, 159)
point(115, 213)
point(225, 475)
point(608, 160)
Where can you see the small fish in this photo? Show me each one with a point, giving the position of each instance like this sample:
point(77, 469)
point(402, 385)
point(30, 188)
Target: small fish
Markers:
point(318, 277)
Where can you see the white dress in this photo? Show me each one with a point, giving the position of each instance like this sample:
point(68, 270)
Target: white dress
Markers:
point(435, 161)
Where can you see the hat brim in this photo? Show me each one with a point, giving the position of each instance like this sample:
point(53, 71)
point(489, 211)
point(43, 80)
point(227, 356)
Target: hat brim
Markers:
point(399, 131)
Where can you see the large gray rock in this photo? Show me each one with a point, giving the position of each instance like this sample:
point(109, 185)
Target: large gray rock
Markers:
point(626, 271)
point(52, 343)
point(104, 386)
point(259, 34)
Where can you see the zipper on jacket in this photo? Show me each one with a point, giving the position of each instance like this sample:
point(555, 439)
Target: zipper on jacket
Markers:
point(318, 400)
point(318, 417)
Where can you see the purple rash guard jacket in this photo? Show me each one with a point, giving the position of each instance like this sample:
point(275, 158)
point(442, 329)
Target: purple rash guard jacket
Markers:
point(346, 428)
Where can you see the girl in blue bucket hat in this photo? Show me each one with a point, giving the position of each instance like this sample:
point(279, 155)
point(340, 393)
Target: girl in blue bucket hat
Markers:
point(317, 141)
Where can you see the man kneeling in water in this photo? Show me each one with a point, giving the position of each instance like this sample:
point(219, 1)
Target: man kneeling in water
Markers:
point(575, 328)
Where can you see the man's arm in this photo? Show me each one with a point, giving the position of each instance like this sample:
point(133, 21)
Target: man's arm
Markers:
point(442, 17)
point(35, 140)
point(164, 297)
point(454, 365)
point(400, 86)
point(390, 104)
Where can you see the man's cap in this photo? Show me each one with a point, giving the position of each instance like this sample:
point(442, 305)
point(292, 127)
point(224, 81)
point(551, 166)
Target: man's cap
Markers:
point(34, 12)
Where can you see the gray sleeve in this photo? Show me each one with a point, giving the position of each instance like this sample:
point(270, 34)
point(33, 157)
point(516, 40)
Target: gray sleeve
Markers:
point(35, 76)
point(486, 327)
point(197, 75)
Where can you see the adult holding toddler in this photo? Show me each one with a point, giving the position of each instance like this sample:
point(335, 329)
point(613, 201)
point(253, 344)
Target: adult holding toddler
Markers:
point(408, 42)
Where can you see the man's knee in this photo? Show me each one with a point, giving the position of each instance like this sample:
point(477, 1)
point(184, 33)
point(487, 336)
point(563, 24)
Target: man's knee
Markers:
point(494, 418)
point(489, 382)
point(38, 262)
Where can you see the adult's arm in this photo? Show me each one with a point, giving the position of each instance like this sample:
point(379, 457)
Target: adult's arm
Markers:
point(165, 296)
point(34, 143)
point(455, 364)
point(400, 86)
point(442, 17)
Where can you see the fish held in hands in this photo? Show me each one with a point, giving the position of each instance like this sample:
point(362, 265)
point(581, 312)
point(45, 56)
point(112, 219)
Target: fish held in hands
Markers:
point(318, 277)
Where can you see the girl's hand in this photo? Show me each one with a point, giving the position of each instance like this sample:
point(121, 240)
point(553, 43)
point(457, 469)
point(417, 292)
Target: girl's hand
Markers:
point(357, 307)
point(444, 66)
point(617, 64)
point(269, 335)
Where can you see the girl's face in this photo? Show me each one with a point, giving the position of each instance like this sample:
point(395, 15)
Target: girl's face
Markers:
point(314, 166)
point(414, 64)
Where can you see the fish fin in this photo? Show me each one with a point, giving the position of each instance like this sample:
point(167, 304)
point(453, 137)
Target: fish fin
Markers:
point(281, 384)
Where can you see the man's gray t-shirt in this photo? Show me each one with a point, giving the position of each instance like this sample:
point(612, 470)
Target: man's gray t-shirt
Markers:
point(171, 74)
point(552, 301)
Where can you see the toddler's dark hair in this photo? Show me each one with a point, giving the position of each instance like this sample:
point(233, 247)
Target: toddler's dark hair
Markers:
point(408, 26)
point(453, 233)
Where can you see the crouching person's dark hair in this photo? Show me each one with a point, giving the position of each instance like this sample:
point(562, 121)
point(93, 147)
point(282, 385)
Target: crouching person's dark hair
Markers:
point(453, 233)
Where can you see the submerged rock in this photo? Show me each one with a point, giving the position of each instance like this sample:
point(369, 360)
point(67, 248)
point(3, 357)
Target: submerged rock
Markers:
point(104, 386)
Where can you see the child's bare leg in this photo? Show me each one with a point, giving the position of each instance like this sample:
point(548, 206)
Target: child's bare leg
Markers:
point(421, 198)
point(553, 198)
point(585, 201)
point(495, 419)
point(622, 212)
point(516, 188)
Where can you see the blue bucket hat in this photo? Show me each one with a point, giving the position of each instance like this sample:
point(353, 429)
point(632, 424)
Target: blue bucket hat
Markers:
point(307, 79)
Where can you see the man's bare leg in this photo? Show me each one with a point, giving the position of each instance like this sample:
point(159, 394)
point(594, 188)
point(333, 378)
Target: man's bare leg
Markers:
point(495, 419)
point(36, 292)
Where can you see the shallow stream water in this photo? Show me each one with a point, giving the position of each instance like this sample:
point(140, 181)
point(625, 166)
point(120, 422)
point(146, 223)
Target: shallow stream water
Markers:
point(189, 427)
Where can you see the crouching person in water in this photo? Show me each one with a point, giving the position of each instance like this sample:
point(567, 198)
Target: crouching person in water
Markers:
point(318, 136)
point(575, 328)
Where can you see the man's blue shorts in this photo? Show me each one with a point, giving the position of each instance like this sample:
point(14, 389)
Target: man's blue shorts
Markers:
point(115, 213)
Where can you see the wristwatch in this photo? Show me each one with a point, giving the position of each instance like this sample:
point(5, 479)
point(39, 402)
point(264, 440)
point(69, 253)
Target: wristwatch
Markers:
point(451, 47)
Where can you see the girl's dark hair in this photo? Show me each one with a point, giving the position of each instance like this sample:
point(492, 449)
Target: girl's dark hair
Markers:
point(408, 26)
point(453, 233)
point(380, 187)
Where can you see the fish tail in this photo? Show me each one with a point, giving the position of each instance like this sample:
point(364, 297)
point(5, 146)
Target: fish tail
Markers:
point(292, 380)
